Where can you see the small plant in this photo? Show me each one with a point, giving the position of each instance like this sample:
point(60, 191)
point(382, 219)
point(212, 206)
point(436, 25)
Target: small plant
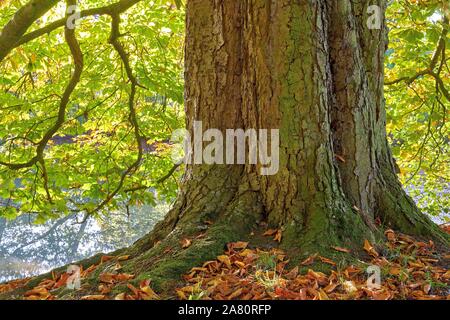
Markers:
point(197, 292)
point(433, 283)
point(266, 261)
point(269, 279)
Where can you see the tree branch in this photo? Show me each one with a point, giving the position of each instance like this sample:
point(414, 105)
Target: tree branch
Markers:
point(111, 9)
point(440, 50)
point(78, 61)
point(113, 40)
point(20, 23)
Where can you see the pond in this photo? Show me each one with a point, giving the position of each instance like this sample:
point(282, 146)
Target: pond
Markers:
point(27, 249)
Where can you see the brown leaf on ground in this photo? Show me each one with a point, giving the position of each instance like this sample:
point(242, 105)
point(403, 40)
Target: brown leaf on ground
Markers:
point(123, 258)
point(225, 259)
point(12, 285)
point(369, 249)
point(237, 245)
point(340, 249)
point(38, 293)
point(185, 243)
point(104, 259)
point(270, 232)
point(278, 236)
point(94, 297)
point(310, 260)
point(327, 261)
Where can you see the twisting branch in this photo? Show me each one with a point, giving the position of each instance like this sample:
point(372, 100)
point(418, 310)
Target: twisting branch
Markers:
point(77, 55)
point(440, 52)
point(114, 41)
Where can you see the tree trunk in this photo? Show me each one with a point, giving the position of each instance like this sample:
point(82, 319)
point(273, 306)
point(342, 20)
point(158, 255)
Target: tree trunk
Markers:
point(314, 70)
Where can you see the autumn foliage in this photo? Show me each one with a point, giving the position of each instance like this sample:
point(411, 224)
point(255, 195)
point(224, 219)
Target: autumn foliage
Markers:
point(410, 269)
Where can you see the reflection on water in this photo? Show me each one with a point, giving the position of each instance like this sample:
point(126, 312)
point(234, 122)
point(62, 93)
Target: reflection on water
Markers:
point(27, 249)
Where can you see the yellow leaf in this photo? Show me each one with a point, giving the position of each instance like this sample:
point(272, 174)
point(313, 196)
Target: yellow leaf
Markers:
point(120, 296)
point(369, 249)
point(94, 297)
point(186, 243)
point(123, 258)
point(225, 259)
point(150, 294)
point(181, 295)
point(323, 295)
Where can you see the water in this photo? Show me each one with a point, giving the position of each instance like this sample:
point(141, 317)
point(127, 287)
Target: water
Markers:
point(27, 249)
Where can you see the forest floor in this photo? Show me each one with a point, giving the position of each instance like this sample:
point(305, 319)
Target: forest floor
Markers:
point(406, 268)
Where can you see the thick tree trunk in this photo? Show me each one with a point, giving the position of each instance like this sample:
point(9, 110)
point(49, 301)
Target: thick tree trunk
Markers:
point(314, 70)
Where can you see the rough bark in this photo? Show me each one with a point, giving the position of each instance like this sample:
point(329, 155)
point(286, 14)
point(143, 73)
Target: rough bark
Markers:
point(312, 69)
point(315, 71)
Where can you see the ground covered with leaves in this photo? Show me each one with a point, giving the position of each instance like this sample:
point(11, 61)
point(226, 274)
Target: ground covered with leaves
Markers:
point(408, 269)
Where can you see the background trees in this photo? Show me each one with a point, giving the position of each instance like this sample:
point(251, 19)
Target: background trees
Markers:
point(95, 145)
point(86, 157)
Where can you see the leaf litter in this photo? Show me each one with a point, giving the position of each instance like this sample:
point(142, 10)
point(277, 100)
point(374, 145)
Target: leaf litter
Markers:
point(409, 269)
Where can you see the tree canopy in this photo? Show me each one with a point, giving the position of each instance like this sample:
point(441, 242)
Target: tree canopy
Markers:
point(417, 94)
point(106, 150)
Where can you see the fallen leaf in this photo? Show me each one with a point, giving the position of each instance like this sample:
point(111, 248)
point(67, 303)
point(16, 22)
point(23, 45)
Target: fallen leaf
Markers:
point(106, 277)
point(330, 288)
point(123, 277)
point(270, 232)
point(225, 259)
point(104, 288)
point(278, 236)
point(120, 296)
point(292, 274)
point(149, 293)
point(340, 249)
point(327, 261)
point(94, 297)
point(323, 295)
point(390, 235)
point(133, 289)
point(123, 258)
point(238, 245)
point(39, 291)
point(369, 249)
point(235, 294)
point(106, 258)
point(310, 260)
point(181, 295)
point(186, 243)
